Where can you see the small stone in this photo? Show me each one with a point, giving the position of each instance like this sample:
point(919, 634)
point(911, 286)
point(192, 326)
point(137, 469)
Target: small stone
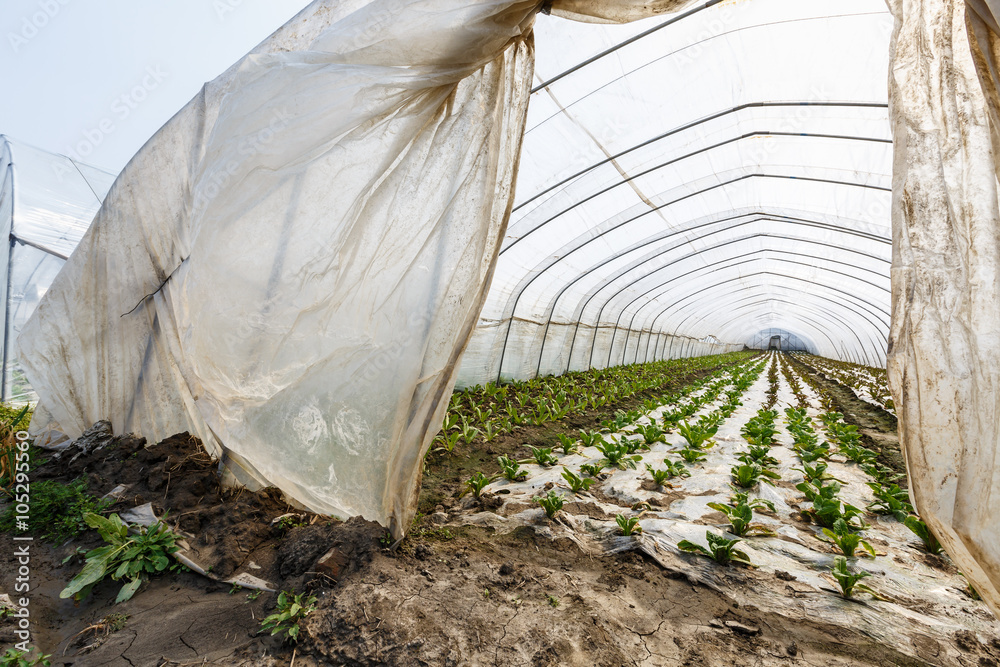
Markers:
point(792, 649)
point(439, 517)
point(784, 576)
point(741, 629)
point(506, 570)
point(331, 563)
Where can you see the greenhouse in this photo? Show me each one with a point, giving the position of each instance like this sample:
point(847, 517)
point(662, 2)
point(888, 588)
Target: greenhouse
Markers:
point(46, 204)
point(528, 333)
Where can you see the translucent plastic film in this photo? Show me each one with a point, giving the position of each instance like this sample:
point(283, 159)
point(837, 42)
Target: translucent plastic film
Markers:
point(46, 204)
point(310, 252)
point(944, 364)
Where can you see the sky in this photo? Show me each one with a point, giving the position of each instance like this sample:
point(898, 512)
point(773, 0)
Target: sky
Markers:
point(95, 80)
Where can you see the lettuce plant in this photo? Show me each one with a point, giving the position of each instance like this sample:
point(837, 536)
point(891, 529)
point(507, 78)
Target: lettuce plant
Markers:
point(721, 550)
point(551, 503)
point(477, 483)
point(617, 455)
point(692, 455)
point(849, 581)
point(921, 530)
point(741, 520)
point(651, 433)
point(846, 539)
point(890, 500)
point(130, 556)
point(576, 483)
point(817, 473)
point(511, 469)
point(567, 444)
point(827, 511)
point(543, 456)
point(750, 475)
point(628, 527)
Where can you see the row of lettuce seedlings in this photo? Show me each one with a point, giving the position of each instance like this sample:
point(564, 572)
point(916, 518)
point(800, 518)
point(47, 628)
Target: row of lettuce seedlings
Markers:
point(890, 498)
point(857, 378)
point(621, 453)
point(486, 412)
point(841, 523)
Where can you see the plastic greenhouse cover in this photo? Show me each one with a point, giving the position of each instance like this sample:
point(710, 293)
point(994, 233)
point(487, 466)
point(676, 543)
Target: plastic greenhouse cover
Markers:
point(683, 185)
point(647, 210)
point(56, 198)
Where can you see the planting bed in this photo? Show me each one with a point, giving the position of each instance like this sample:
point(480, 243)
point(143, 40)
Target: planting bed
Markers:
point(487, 577)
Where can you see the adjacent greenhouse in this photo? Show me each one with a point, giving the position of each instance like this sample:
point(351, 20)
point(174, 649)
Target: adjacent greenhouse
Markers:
point(46, 204)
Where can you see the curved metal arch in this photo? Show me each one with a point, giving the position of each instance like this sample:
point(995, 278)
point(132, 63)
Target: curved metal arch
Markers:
point(818, 313)
point(799, 318)
point(855, 307)
point(818, 326)
point(593, 238)
point(738, 257)
point(793, 220)
point(650, 336)
point(789, 277)
point(848, 305)
point(848, 326)
point(672, 279)
point(786, 252)
point(590, 239)
point(551, 308)
point(621, 45)
point(759, 133)
point(696, 123)
point(808, 179)
point(842, 349)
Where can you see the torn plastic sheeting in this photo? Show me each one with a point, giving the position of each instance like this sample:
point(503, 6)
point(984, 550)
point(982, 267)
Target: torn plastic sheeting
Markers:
point(262, 308)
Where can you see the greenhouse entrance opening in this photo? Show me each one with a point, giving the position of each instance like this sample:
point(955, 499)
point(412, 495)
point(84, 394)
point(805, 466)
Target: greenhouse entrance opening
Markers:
point(655, 260)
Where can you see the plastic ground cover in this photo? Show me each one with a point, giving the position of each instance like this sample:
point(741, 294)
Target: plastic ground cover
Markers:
point(791, 576)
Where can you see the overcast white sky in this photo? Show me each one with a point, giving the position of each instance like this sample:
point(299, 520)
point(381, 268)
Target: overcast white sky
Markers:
point(80, 76)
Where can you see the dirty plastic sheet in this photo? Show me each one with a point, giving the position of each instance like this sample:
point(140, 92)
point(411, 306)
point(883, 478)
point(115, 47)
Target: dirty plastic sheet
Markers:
point(300, 277)
point(944, 359)
point(296, 283)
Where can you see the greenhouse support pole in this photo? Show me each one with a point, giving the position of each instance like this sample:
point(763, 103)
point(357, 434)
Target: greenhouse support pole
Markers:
point(6, 303)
